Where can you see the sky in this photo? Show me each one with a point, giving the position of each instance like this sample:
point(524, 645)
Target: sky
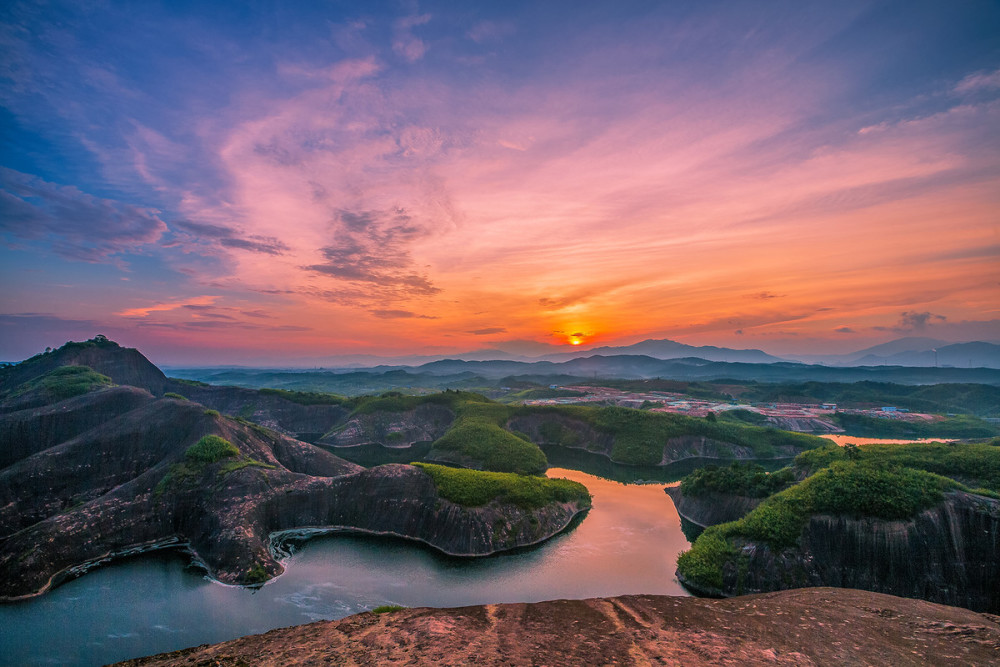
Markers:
point(253, 181)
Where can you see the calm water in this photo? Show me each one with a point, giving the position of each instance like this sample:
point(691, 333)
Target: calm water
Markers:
point(856, 440)
point(627, 544)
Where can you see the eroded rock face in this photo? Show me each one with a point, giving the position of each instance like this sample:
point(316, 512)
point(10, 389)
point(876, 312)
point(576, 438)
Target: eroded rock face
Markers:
point(816, 626)
point(711, 508)
point(425, 423)
point(946, 554)
point(25, 432)
point(554, 428)
point(270, 410)
point(126, 485)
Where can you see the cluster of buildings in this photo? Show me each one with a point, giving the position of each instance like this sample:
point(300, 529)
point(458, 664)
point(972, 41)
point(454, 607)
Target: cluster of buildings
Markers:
point(810, 416)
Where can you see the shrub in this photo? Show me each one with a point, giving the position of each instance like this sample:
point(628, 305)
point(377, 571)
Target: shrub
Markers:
point(209, 449)
point(171, 394)
point(474, 488)
point(212, 413)
point(257, 574)
point(305, 397)
point(739, 479)
point(387, 608)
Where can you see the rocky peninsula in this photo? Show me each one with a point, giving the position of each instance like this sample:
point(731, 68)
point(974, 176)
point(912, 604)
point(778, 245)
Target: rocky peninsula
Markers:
point(115, 470)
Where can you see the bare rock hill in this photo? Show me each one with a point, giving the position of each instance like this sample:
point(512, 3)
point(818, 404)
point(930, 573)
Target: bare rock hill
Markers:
point(124, 365)
point(75, 493)
point(816, 626)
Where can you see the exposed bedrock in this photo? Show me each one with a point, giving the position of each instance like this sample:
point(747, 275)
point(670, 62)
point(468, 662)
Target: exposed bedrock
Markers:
point(24, 432)
point(946, 554)
point(267, 409)
point(711, 508)
point(425, 423)
point(818, 626)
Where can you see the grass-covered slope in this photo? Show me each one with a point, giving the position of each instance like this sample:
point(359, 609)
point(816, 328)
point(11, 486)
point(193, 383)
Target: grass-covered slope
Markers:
point(890, 482)
point(57, 385)
point(639, 436)
point(504, 438)
point(749, 480)
point(474, 488)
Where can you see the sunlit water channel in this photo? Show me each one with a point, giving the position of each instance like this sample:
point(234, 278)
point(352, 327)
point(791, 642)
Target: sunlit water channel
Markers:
point(627, 544)
point(858, 440)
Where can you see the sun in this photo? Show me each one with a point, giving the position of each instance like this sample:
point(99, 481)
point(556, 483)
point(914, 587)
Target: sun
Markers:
point(575, 341)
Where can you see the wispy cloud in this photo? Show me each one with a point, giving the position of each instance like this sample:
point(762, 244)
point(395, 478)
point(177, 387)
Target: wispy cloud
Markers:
point(76, 225)
point(404, 42)
point(400, 314)
point(230, 238)
point(145, 311)
point(979, 81)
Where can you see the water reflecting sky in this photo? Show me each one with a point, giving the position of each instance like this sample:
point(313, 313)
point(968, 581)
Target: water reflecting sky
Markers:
point(627, 544)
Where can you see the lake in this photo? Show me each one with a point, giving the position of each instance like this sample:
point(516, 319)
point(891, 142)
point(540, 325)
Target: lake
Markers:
point(628, 543)
point(857, 440)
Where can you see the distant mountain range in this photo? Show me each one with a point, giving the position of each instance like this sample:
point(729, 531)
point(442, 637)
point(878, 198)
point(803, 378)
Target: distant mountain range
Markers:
point(910, 351)
point(657, 349)
point(917, 352)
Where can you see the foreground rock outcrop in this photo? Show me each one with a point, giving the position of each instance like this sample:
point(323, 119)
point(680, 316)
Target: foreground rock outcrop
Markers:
point(818, 626)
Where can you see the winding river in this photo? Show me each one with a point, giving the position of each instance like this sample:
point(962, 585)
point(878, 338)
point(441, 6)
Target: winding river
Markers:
point(628, 543)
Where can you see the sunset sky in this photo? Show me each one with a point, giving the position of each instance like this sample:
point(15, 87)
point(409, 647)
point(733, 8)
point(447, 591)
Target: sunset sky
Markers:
point(256, 181)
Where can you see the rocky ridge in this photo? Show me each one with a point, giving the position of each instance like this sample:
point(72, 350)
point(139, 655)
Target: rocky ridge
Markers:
point(818, 626)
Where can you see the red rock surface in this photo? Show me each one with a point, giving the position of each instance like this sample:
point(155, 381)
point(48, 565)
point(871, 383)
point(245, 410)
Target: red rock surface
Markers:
point(813, 626)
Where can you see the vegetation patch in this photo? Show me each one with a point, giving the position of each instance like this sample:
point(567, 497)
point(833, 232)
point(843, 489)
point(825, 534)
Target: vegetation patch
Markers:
point(305, 397)
point(212, 413)
point(65, 382)
point(739, 479)
point(492, 447)
point(474, 488)
point(239, 464)
point(394, 401)
point(256, 575)
point(387, 608)
point(172, 394)
point(541, 392)
point(961, 426)
point(640, 436)
point(974, 464)
point(190, 383)
point(210, 449)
